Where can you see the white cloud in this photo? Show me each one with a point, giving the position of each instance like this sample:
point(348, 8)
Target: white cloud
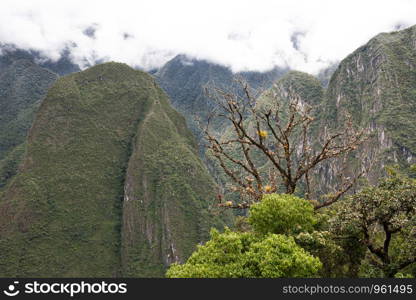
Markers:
point(244, 35)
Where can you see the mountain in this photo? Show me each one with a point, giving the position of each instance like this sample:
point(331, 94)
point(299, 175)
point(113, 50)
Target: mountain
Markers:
point(23, 85)
point(376, 85)
point(25, 76)
point(184, 79)
point(110, 183)
point(304, 87)
point(62, 66)
point(325, 74)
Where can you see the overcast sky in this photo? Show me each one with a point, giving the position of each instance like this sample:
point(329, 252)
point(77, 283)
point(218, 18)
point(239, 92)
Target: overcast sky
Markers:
point(305, 35)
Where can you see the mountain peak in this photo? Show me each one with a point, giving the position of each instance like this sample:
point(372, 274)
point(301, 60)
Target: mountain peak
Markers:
point(105, 171)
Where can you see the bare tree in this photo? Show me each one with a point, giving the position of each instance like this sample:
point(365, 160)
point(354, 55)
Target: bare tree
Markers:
point(272, 145)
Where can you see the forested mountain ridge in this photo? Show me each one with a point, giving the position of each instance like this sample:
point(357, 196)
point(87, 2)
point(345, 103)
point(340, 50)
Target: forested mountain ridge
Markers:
point(23, 85)
point(63, 66)
point(25, 77)
point(376, 85)
point(185, 79)
point(94, 166)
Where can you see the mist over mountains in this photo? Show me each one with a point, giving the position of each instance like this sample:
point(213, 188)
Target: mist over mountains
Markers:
point(302, 35)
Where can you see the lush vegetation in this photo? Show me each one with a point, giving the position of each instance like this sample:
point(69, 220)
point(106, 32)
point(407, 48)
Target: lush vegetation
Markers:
point(100, 176)
point(256, 253)
point(368, 234)
point(23, 85)
point(282, 214)
point(110, 184)
point(234, 254)
point(384, 220)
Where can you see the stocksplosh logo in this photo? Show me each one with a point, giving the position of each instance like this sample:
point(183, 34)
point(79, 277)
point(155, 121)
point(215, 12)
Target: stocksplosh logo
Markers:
point(62, 288)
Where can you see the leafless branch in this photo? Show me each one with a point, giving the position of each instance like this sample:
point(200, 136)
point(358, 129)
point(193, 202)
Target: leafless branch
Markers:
point(278, 135)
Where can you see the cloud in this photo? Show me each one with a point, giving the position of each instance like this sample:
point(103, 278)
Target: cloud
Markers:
point(243, 35)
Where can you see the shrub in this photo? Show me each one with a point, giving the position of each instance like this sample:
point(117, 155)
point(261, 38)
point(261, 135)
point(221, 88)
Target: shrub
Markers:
point(236, 254)
point(282, 214)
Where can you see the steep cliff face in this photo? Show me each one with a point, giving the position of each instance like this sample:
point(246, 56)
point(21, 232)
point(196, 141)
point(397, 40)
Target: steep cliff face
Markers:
point(166, 194)
point(376, 85)
point(110, 184)
point(23, 85)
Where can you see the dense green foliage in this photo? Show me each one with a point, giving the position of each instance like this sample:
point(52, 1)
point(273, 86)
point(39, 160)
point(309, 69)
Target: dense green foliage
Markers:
point(282, 214)
point(23, 85)
point(369, 234)
point(9, 165)
point(384, 219)
point(110, 184)
point(267, 249)
point(340, 257)
point(236, 254)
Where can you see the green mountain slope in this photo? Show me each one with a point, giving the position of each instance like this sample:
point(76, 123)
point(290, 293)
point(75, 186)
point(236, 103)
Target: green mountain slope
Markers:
point(109, 180)
point(325, 74)
point(184, 80)
point(167, 182)
point(297, 85)
point(376, 84)
point(23, 85)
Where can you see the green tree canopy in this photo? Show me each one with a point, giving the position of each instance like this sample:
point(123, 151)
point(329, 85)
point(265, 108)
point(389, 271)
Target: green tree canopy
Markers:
point(282, 214)
point(384, 218)
point(236, 254)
